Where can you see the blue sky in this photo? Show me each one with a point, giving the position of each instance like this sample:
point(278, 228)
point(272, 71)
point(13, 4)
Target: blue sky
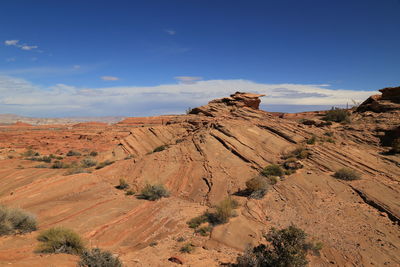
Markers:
point(70, 58)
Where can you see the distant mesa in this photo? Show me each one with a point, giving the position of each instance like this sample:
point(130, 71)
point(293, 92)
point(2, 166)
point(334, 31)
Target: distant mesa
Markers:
point(90, 124)
point(21, 124)
point(389, 100)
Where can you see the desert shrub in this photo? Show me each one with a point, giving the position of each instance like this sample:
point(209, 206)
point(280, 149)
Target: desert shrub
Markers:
point(329, 134)
point(396, 145)
point(187, 248)
point(88, 162)
point(223, 211)
point(257, 187)
point(346, 174)
point(59, 165)
point(329, 140)
point(160, 148)
point(220, 215)
point(292, 164)
point(93, 154)
point(129, 157)
point(46, 159)
point(98, 258)
point(287, 247)
point(41, 166)
point(312, 140)
point(60, 240)
point(337, 115)
point(180, 239)
point(272, 179)
point(197, 221)
point(153, 244)
point(272, 170)
point(122, 184)
point(204, 230)
point(72, 153)
point(153, 192)
point(30, 153)
point(16, 221)
point(130, 193)
point(299, 153)
point(76, 170)
point(103, 164)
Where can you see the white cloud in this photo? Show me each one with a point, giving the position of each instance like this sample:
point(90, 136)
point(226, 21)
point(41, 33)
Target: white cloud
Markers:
point(22, 97)
point(22, 46)
point(76, 67)
point(188, 79)
point(170, 32)
point(28, 47)
point(11, 42)
point(10, 59)
point(109, 78)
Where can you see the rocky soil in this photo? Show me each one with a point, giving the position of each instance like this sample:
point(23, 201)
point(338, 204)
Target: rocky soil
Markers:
point(208, 155)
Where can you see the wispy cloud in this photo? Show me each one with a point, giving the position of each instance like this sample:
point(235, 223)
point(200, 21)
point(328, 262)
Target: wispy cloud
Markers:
point(40, 71)
point(11, 59)
point(170, 32)
point(21, 46)
point(11, 42)
point(188, 79)
point(22, 97)
point(109, 78)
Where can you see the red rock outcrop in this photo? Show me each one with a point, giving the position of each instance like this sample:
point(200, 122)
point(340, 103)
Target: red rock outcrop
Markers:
point(238, 100)
point(389, 100)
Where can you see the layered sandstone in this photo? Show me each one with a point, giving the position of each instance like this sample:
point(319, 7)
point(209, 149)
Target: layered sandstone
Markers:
point(209, 155)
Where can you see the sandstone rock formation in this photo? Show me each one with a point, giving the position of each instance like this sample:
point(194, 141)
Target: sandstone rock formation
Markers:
point(207, 156)
point(389, 100)
point(236, 101)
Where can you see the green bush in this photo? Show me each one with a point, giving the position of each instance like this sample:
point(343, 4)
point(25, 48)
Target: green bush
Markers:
point(98, 258)
point(299, 153)
point(72, 153)
point(312, 140)
point(130, 193)
point(223, 211)
point(197, 221)
point(287, 247)
point(88, 162)
point(30, 153)
point(122, 184)
point(46, 159)
point(60, 240)
point(204, 230)
point(59, 165)
point(347, 174)
point(153, 192)
point(187, 248)
point(103, 164)
point(272, 170)
point(337, 115)
point(292, 164)
point(16, 221)
point(160, 148)
point(180, 239)
point(93, 154)
point(257, 187)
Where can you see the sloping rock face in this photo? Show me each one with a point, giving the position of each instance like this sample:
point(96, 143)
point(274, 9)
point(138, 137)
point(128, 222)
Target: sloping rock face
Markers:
point(208, 155)
point(389, 100)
